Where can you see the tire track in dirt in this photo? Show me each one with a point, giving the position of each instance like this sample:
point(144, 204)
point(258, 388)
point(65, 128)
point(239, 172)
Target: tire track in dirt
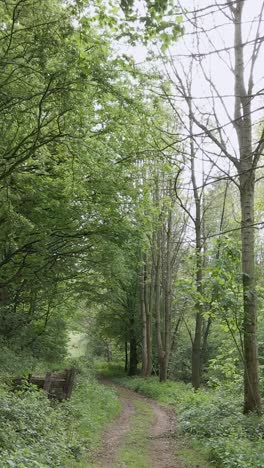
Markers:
point(113, 437)
point(161, 447)
point(158, 440)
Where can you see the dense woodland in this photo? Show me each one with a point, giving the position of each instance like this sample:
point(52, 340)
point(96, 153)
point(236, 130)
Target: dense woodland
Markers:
point(132, 211)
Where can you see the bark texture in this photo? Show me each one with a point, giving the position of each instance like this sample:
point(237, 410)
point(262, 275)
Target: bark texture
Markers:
point(246, 168)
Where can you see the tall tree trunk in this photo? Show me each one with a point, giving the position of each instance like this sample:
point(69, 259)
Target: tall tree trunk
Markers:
point(133, 357)
point(109, 352)
point(168, 290)
point(150, 293)
point(144, 320)
point(197, 340)
point(196, 351)
point(248, 161)
point(161, 351)
point(148, 308)
point(126, 357)
point(251, 380)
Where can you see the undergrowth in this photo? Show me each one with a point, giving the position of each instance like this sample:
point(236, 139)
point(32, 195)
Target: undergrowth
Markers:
point(92, 407)
point(212, 416)
point(35, 432)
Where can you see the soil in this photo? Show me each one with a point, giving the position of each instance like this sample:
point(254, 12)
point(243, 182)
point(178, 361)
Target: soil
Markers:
point(159, 438)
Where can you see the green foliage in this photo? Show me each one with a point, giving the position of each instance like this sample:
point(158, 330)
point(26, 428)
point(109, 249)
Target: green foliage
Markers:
point(13, 363)
point(167, 392)
point(225, 367)
point(223, 282)
point(153, 21)
point(233, 452)
point(71, 111)
point(92, 406)
point(213, 417)
point(110, 369)
point(35, 432)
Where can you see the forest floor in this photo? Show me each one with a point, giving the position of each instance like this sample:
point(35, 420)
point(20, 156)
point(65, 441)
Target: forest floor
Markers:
point(141, 437)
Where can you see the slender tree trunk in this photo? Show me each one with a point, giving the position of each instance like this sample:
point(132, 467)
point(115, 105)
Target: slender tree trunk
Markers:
point(251, 380)
point(157, 259)
point(197, 340)
point(161, 351)
point(133, 357)
point(126, 357)
point(148, 309)
point(144, 321)
point(196, 352)
point(151, 303)
point(248, 161)
point(168, 291)
point(163, 367)
point(109, 353)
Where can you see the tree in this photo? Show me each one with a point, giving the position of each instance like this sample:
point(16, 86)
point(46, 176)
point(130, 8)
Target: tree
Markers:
point(245, 159)
point(64, 193)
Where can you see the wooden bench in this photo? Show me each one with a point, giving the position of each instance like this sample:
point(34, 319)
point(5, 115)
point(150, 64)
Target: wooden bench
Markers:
point(58, 385)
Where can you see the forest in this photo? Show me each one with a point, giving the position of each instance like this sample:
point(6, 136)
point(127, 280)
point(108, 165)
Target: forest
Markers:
point(131, 232)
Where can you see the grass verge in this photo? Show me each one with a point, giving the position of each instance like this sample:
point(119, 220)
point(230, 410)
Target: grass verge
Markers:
point(92, 407)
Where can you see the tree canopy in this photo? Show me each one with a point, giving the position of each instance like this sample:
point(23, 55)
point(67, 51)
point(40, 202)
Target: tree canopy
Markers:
point(131, 193)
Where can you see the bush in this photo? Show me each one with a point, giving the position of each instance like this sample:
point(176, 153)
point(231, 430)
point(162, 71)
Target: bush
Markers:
point(35, 432)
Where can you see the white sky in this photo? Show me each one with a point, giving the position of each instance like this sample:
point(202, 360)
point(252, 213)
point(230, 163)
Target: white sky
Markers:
point(219, 34)
point(216, 31)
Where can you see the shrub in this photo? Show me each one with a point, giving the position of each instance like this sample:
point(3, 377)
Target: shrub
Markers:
point(35, 432)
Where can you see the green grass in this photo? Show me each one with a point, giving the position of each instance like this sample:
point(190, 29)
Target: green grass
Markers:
point(93, 406)
point(213, 430)
point(135, 450)
point(192, 453)
point(109, 370)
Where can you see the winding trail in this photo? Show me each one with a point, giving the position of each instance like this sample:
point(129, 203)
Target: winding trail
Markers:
point(141, 437)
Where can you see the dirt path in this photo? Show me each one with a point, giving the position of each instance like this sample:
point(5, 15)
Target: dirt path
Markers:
point(161, 449)
point(140, 437)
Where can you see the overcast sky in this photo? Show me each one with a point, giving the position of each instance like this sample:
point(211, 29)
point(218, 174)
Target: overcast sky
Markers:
point(216, 32)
